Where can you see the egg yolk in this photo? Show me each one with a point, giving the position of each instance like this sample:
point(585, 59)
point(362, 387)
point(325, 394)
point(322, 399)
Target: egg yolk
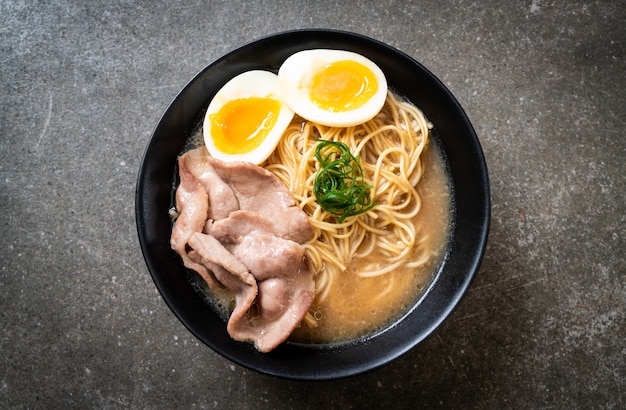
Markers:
point(241, 125)
point(343, 86)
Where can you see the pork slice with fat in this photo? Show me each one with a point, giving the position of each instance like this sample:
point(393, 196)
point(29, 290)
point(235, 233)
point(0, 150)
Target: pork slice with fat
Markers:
point(192, 206)
point(268, 256)
point(222, 199)
point(231, 273)
point(251, 238)
point(282, 303)
point(239, 224)
point(294, 224)
point(260, 191)
point(255, 187)
point(285, 283)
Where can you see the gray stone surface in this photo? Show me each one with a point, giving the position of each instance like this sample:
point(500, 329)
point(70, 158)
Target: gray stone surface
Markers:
point(82, 85)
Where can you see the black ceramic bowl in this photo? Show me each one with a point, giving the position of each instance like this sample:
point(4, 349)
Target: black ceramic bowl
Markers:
point(467, 241)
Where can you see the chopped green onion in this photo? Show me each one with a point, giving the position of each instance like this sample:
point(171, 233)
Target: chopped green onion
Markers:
point(339, 186)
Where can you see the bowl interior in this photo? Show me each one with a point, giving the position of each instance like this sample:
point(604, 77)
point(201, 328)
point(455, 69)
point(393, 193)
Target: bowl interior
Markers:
point(468, 236)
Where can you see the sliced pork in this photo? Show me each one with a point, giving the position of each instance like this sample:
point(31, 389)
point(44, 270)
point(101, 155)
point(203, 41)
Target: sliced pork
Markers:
point(268, 256)
point(229, 271)
point(222, 199)
point(260, 191)
point(239, 228)
point(193, 207)
point(239, 224)
point(282, 304)
point(252, 239)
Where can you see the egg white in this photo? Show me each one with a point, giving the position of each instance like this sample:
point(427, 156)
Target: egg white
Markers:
point(295, 77)
point(255, 83)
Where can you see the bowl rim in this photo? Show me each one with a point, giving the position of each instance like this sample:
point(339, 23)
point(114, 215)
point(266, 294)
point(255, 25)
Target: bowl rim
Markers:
point(468, 235)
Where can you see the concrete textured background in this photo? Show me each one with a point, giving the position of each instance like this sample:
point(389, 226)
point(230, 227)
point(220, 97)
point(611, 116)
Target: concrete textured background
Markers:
point(82, 85)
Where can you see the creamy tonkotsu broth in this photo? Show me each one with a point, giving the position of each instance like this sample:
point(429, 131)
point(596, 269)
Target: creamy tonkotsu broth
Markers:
point(358, 306)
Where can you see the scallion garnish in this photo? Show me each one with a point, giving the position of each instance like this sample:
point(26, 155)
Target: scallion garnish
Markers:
point(339, 186)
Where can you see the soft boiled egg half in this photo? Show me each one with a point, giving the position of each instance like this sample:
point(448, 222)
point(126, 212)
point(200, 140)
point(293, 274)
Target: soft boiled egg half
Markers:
point(332, 87)
point(246, 118)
